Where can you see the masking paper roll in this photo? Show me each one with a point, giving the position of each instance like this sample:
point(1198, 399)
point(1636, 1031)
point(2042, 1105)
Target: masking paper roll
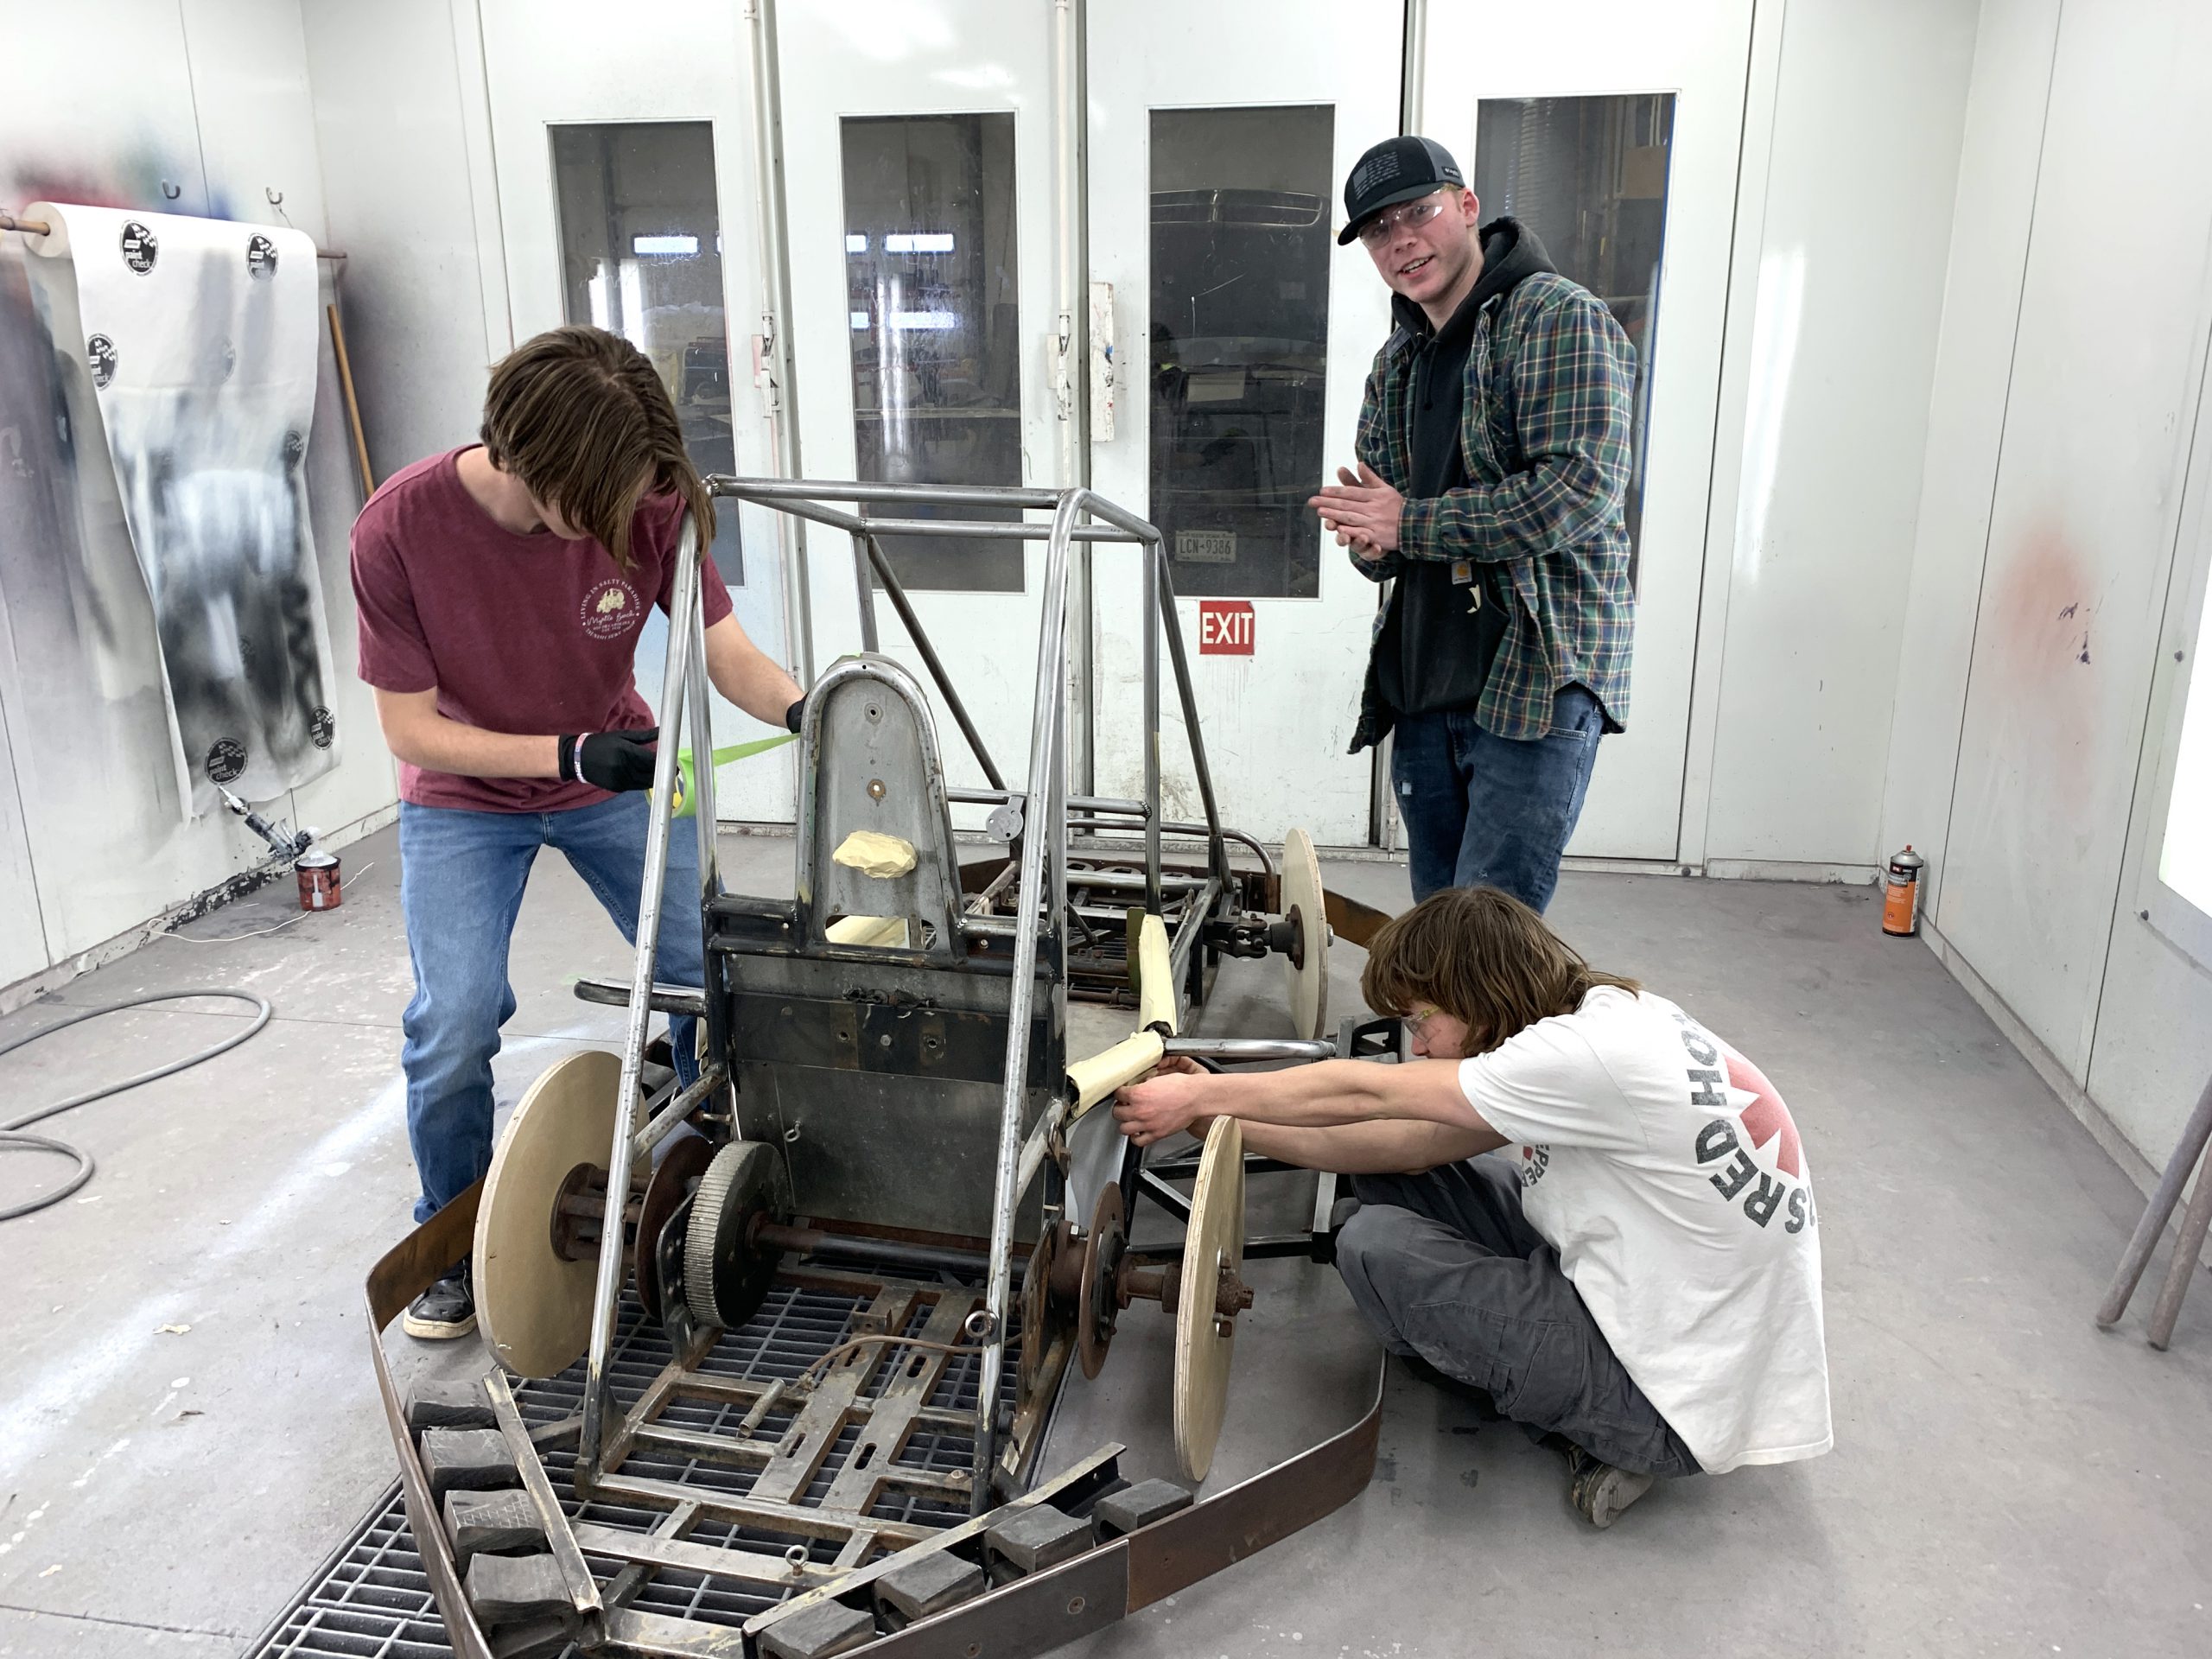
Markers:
point(198, 340)
point(1090, 1081)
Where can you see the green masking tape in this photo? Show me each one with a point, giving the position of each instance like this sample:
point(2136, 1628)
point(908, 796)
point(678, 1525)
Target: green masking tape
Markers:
point(687, 782)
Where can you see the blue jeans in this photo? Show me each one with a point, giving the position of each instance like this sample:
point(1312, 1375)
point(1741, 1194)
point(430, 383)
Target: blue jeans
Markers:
point(1482, 811)
point(460, 882)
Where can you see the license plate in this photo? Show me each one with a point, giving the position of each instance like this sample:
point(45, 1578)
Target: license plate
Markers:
point(1206, 546)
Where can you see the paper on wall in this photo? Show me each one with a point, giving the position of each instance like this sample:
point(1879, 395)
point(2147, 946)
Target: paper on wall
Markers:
point(199, 338)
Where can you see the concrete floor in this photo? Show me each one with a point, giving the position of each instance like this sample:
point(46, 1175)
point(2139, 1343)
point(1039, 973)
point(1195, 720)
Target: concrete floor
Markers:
point(2007, 1480)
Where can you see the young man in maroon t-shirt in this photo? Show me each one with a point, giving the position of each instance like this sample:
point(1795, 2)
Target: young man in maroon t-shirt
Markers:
point(500, 591)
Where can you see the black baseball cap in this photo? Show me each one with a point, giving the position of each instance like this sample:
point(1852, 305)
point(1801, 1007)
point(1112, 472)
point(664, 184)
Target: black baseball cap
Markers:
point(1396, 170)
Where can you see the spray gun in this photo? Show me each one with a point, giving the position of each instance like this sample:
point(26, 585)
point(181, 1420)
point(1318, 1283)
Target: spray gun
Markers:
point(289, 843)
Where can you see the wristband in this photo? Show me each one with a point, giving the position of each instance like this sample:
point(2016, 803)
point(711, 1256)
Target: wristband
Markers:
point(564, 767)
point(794, 715)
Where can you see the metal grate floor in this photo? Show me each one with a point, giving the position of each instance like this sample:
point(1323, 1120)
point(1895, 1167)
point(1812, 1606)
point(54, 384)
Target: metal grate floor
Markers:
point(371, 1599)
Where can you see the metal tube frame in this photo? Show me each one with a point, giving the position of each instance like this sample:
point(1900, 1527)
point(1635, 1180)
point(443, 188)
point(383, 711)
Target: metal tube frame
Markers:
point(1043, 879)
point(675, 683)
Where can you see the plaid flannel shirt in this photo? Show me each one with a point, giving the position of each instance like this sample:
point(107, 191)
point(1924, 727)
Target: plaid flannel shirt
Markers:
point(1544, 427)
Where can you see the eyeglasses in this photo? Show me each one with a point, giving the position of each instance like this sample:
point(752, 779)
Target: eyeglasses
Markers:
point(1415, 1024)
point(1410, 214)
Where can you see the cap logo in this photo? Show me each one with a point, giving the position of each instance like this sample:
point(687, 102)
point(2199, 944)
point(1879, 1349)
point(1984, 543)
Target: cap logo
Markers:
point(1377, 169)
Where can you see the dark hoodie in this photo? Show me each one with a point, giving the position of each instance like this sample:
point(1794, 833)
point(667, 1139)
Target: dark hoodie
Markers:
point(1446, 619)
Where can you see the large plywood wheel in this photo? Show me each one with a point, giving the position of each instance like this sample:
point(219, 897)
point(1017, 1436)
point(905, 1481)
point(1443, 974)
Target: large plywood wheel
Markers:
point(1305, 906)
point(1205, 1336)
point(533, 1302)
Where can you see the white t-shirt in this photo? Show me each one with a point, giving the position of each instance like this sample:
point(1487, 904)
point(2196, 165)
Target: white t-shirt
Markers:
point(1664, 1168)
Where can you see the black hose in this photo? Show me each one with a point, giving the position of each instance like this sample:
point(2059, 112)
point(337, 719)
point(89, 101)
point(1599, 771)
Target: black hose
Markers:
point(11, 1136)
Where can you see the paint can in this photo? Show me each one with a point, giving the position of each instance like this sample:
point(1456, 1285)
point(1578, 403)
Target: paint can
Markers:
point(318, 875)
point(1901, 902)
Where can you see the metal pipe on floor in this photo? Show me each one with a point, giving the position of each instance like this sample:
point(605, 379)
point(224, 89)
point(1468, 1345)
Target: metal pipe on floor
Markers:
point(2194, 1137)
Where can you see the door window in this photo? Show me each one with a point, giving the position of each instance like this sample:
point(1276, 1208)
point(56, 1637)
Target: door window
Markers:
point(1240, 312)
point(931, 279)
point(641, 256)
point(1588, 176)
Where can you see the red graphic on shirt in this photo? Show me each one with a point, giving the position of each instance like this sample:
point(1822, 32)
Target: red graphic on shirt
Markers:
point(1766, 1117)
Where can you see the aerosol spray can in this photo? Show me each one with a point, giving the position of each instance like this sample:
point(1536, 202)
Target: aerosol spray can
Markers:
point(1901, 903)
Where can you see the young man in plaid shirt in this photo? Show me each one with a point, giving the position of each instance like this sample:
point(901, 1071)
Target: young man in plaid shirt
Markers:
point(1494, 445)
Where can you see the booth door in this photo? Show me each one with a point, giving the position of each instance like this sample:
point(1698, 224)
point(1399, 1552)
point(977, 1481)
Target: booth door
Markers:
point(1611, 129)
point(625, 200)
point(1218, 138)
point(918, 160)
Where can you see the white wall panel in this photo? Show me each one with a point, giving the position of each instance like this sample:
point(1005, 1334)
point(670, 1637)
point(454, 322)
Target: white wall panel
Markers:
point(22, 929)
point(1864, 149)
point(388, 119)
point(1995, 202)
point(2153, 1047)
point(2085, 514)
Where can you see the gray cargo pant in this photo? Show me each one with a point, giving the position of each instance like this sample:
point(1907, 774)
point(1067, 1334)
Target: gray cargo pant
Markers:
point(1448, 1269)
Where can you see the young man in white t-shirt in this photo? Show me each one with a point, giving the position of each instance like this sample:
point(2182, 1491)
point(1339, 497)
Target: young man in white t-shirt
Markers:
point(1639, 1273)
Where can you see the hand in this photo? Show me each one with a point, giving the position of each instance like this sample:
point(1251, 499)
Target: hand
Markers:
point(794, 715)
point(611, 760)
point(1361, 509)
point(1167, 1101)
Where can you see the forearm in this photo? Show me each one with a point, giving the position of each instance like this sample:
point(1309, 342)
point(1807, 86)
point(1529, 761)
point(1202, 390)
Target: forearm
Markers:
point(747, 676)
point(1330, 1093)
point(438, 744)
point(1385, 1148)
point(1561, 504)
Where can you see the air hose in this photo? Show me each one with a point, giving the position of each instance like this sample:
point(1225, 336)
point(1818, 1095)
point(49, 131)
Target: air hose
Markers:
point(12, 1137)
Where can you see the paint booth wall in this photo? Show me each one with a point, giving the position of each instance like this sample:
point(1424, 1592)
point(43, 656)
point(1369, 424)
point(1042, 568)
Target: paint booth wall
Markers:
point(1843, 221)
point(202, 109)
point(2060, 549)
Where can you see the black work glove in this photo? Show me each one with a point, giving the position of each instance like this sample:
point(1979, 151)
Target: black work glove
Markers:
point(794, 715)
point(614, 760)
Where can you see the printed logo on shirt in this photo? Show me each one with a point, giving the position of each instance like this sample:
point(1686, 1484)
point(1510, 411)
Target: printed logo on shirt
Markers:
point(1765, 1192)
point(1534, 1161)
point(611, 609)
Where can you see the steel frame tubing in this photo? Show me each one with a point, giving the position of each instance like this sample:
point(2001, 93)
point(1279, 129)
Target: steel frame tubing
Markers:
point(684, 601)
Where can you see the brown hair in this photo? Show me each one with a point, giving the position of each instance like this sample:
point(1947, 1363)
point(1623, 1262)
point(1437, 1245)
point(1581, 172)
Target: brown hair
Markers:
point(1483, 956)
point(578, 415)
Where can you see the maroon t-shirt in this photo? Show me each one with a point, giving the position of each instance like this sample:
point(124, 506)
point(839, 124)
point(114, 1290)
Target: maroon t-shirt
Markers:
point(530, 634)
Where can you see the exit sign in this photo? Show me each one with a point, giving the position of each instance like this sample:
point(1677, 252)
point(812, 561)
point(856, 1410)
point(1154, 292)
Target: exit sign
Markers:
point(1224, 627)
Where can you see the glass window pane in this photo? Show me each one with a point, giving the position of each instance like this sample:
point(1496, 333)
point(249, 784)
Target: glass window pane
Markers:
point(932, 285)
point(641, 256)
point(1240, 324)
point(1588, 176)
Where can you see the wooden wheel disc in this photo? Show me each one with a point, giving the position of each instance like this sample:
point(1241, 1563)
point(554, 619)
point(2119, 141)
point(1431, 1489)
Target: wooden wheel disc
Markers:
point(1035, 1294)
point(671, 1180)
point(1205, 1342)
point(534, 1306)
point(1304, 901)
